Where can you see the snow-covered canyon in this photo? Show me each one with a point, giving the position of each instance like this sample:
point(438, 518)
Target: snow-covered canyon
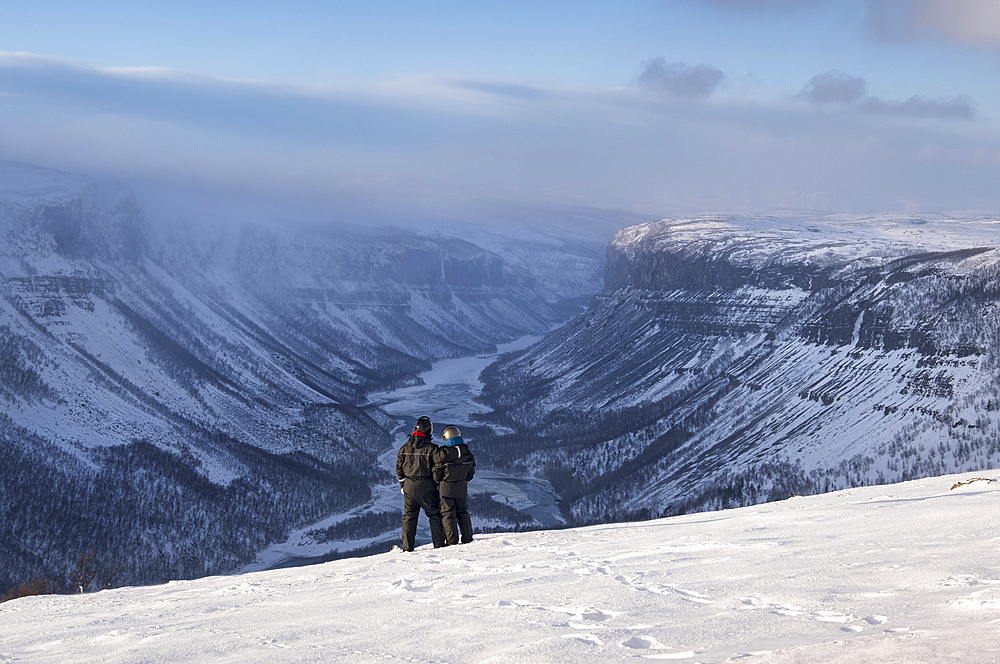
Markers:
point(731, 360)
point(181, 387)
point(194, 392)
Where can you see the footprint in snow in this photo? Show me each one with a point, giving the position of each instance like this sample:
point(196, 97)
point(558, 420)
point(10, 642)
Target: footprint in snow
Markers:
point(465, 598)
point(597, 615)
point(832, 616)
point(982, 599)
point(791, 610)
point(405, 585)
point(788, 610)
point(753, 653)
point(586, 638)
point(693, 596)
point(585, 614)
point(642, 643)
point(519, 603)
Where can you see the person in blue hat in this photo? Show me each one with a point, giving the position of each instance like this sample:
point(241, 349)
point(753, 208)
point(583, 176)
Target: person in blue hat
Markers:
point(454, 467)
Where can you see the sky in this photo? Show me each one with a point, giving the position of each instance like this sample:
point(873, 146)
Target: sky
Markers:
point(658, 107)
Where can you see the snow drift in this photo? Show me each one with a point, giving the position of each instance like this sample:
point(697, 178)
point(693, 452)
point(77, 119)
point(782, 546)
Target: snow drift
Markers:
point(899, 573)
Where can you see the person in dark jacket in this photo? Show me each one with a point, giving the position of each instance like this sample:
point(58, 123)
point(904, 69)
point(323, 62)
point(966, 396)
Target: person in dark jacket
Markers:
point(414, 468)
point(453, 469)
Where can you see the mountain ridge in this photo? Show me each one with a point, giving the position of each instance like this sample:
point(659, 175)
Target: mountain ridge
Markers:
point(180, 393)
point(731, 360)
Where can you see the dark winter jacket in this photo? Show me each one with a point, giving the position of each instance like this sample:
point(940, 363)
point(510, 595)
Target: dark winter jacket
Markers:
point(454, 464)
point(416, 458)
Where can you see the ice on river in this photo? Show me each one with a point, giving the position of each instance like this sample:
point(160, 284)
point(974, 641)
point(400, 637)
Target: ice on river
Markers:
point(899, 573)
point(446, 393)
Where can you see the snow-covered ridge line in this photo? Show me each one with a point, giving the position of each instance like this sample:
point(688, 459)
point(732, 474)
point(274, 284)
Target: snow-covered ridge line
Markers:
point(732, 360)
point(774, 251)
point(897, 573)
point(859, 232)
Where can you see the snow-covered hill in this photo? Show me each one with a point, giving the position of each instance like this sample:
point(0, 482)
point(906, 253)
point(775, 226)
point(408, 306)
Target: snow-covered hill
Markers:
point(899, 573)
point(732, 360)
point(178, 391)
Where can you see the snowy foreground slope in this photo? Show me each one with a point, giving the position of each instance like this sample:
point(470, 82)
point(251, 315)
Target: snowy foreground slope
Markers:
point(898, 573)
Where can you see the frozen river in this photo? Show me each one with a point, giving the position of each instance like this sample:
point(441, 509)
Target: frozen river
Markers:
point(446, 393)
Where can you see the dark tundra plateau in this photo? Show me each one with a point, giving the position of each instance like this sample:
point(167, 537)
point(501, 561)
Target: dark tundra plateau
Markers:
point(178, 395)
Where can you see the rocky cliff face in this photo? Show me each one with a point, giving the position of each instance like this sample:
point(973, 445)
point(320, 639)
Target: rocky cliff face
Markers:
point(732, 360)
point(179, 395)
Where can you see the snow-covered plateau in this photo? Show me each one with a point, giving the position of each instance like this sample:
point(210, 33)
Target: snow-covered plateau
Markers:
point(908, 572)
point(731, 360)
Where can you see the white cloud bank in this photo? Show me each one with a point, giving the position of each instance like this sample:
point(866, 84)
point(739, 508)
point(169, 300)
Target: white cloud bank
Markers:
point(438, 145)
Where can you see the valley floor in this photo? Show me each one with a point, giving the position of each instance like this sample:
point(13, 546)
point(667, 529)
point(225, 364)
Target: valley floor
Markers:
point(898, 573)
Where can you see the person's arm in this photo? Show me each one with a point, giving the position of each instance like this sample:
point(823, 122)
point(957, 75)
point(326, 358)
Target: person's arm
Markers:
point(399, 464)
point(437, 464)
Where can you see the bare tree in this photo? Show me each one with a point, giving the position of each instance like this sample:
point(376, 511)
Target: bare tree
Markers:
point(86, 570)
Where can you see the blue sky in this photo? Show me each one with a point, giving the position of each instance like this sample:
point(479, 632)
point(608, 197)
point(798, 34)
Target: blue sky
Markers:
point(659, 107)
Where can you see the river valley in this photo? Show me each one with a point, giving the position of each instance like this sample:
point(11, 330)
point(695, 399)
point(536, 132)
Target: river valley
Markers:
point(447, 394)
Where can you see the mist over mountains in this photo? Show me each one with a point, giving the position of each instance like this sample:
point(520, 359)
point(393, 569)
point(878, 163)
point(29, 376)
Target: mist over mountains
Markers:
point(180, 391)
point(178, 394)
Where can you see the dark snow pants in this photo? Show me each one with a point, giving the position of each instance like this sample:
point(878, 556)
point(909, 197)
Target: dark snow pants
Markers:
point(455, 511)
point(421, 494)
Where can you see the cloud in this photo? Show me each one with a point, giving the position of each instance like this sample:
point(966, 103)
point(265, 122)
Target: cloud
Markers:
point(975, 22)
point(430, 146)
point(957, 108)
point(511, 90)
point(239, 107)
point(679, 78)
point(834, 87)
